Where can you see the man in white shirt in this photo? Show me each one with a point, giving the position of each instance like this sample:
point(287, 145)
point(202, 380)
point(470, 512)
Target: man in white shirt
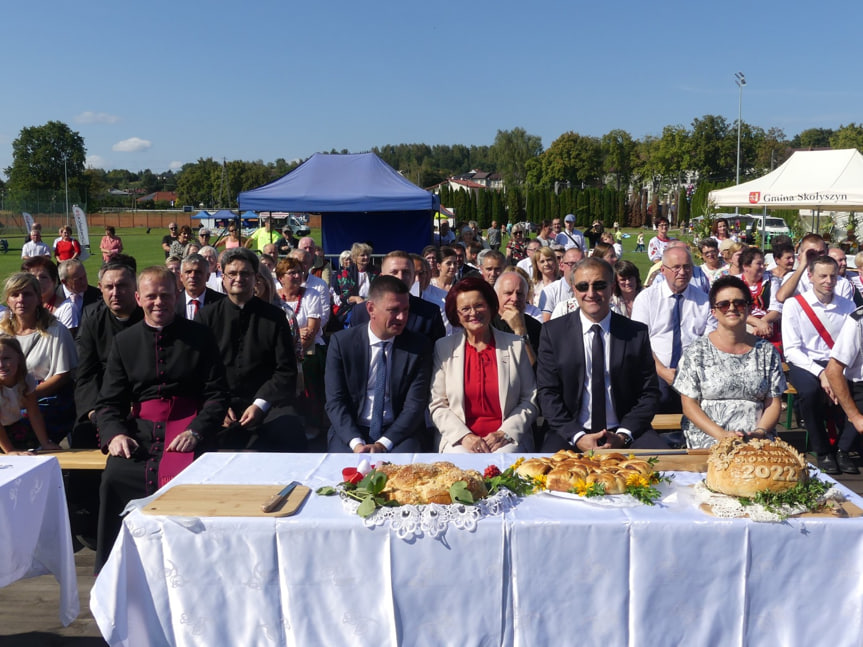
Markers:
point(676, 313)
point(378, 377)
point(807, 351)
point(194, 271)
point(35, 246)
point(527, 263)
point(797, 282)
point(570, 237)
point(845, 371)
point(560, 290)
point(491, 264)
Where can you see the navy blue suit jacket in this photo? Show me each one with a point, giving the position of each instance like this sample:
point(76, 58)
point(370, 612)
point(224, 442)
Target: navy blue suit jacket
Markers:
point(347, 374)
point(561, 374)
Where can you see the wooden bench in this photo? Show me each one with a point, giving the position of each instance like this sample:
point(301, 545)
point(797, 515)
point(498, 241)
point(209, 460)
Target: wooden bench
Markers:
point(79, 459)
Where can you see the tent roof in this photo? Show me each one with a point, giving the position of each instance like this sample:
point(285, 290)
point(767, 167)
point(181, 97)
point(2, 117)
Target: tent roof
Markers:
point(222, 214)
point(201, 215)
point(831, 179)
point(339, 183)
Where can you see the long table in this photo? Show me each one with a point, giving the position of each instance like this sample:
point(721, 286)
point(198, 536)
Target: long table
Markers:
point(34, 527)
point(548, 571)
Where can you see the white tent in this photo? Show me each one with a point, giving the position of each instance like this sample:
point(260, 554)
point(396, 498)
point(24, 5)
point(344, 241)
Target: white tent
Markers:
point(831, 179)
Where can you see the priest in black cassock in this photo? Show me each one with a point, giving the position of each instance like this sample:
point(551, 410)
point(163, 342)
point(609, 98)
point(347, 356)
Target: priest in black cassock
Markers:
point(257, 349)
point(167, 372)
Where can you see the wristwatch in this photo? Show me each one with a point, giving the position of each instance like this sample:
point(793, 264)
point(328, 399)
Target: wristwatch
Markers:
point(627, 440)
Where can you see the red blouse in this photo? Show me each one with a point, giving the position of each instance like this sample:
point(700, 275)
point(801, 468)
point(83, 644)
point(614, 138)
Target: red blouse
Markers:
point(66, 249)
point(482, 413)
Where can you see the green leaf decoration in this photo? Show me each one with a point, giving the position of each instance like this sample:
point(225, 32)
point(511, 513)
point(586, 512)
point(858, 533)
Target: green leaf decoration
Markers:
point(459, 493)
point(367, 507)
point(326, 490)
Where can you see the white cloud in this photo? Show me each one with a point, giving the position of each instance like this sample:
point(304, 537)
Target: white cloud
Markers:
point(90, 117)
point(175, 166)
point(95, 161)
point(132, 145)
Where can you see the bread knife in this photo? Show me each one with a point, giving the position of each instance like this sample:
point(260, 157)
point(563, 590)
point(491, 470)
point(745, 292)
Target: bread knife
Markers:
point(278, 500)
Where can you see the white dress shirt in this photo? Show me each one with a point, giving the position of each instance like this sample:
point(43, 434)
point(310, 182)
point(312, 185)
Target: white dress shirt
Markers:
point(848, 349)
point(584, 412)
point(655, 308)
point(365, 415)
point(801, 342)
point(320, 286)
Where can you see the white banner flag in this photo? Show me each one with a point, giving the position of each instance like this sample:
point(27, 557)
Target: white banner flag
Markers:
point(81, 225)
point(28, 221)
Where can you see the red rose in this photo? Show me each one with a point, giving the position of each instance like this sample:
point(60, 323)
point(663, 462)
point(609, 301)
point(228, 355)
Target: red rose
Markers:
point(351, 475)
point(490, 472)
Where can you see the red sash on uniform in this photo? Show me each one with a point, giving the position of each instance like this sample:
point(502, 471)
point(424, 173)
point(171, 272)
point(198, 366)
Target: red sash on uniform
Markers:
point(176, 414)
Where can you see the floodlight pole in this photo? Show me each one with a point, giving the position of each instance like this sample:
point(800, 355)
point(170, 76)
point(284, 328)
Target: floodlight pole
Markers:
point(66, 179)
point(740, 80)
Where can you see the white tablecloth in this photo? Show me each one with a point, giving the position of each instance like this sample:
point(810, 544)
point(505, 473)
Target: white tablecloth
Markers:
point(34, 527)
point(548, 572)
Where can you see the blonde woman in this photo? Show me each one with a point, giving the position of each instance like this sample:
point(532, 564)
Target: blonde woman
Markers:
point(545, 271)
point(49, 349)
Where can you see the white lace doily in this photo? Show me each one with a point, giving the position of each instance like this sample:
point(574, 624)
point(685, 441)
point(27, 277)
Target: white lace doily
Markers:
point(728, 507)
point(432, 520)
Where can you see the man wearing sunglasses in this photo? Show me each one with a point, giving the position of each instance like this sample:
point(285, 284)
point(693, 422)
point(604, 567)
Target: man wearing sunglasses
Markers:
point(676, 313)
point(561, 290)
point(596, 380)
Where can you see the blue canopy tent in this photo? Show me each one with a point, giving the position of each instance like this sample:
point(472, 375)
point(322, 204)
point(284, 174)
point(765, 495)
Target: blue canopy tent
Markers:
point(201, 215)
point(360, 198)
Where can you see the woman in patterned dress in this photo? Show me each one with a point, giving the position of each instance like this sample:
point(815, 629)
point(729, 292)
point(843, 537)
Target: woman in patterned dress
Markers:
point(730, 381)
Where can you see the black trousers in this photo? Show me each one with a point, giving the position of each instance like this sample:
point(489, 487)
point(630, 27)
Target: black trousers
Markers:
point(816, 408)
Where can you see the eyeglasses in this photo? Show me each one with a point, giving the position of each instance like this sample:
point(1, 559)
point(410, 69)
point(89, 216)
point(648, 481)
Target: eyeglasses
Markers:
point(725, 306)
point(477, 309)
point(678, 269)
point(569, 263)
point(710, 254)
point(517, 233)
point(584, 286)
point(238, 275)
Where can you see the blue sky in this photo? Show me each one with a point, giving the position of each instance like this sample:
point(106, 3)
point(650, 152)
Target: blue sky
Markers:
point(157, 84)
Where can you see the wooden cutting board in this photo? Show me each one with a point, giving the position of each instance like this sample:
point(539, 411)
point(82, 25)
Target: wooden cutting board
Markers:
point(224, 501)
point(683, 460)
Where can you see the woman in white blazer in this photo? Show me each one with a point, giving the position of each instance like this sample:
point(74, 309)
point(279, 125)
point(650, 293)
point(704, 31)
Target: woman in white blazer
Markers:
point(483, 386)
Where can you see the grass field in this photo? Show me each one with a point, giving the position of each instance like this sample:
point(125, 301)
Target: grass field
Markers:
point(146, 248)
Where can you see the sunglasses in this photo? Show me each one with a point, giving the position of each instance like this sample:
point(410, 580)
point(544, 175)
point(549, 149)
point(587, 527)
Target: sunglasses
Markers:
point(584, 286)
point(725, 306)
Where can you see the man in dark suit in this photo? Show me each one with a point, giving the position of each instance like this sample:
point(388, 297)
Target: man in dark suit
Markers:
point(424, 317)
point(378, 377)
point(194, 272)
point(257, 349)
point(579, 350)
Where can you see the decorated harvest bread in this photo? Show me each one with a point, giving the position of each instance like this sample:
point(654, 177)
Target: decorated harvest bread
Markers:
point(421, 483)
point(566, 469)
point(740, 468)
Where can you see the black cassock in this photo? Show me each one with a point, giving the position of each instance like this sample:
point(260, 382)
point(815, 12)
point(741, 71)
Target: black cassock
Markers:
point(180, 363)
point(257, 349)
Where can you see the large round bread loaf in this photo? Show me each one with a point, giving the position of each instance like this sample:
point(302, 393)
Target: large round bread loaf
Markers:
point(740, 468)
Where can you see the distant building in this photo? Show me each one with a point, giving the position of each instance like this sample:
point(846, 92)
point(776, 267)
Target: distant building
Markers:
point(159, 196)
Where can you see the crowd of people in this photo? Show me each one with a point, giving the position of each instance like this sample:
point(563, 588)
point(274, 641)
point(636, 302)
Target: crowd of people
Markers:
point(554, 342)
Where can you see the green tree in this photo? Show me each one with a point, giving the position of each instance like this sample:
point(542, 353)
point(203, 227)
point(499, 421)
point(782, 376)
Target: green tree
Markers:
point(813, 138)
point(38, 158)
point(714, 153)
point(571, 157)
point(850, 136)
point(772, 150)
point(618, 151)
point(511, 151)
point(198, 183)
